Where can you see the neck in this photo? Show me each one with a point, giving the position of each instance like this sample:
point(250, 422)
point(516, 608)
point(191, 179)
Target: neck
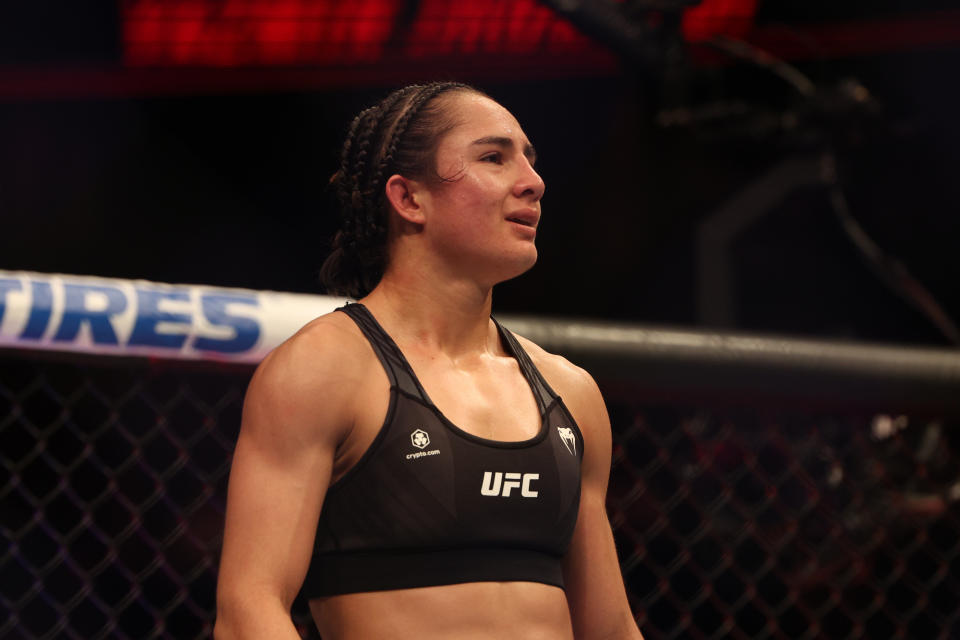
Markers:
point(443, 314)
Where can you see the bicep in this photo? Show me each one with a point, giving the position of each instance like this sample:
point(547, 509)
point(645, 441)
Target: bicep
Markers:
point(272, 511)
point(280, 472)
point(595, 590)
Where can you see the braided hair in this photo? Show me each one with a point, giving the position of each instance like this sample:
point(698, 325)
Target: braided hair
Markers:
point(399, 135)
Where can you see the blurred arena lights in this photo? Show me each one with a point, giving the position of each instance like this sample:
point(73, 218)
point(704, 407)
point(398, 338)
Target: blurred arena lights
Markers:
point(296, 32)
point(510, 37)
point(711, 18)
point(327, 32)
point(213, 46)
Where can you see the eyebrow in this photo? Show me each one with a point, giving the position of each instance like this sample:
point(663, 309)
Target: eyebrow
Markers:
point(502, 141)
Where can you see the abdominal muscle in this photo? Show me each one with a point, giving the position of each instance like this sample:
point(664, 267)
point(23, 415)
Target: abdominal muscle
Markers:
point(468, 611)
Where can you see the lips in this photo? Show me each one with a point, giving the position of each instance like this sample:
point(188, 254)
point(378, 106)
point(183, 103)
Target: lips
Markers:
point(527, 218)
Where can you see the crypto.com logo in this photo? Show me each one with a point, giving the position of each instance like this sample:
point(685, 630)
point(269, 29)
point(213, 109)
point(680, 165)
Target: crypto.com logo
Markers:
point(419, 438)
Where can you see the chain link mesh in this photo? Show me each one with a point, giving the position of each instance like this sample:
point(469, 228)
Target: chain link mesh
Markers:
point(730, 523)
point(785, 524)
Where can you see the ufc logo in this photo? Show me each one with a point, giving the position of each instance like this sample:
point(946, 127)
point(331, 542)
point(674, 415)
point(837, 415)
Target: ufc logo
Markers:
point(501, 484)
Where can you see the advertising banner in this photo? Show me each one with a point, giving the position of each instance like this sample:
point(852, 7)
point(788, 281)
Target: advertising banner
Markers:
point(112, 316)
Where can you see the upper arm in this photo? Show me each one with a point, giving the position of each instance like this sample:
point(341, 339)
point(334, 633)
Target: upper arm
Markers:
point(297, 409)
point(593, 583)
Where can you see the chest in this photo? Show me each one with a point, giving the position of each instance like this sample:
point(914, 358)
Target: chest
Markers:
point(491, 399)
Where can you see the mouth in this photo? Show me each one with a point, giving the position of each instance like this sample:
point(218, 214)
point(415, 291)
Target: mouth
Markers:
point(526, 218)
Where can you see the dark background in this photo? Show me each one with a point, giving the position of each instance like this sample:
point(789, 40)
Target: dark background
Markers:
point(227, 186)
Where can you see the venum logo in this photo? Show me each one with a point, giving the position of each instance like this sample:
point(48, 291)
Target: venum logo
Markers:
point(420, 438)
point(501, 484)
point(568, 439)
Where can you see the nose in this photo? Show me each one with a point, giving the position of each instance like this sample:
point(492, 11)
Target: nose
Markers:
point(529, 183)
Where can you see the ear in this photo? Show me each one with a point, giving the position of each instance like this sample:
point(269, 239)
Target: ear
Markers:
point(404, 194)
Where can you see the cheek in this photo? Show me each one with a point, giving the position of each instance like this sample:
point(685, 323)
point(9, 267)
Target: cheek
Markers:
point(471, 206)
point(476, 190)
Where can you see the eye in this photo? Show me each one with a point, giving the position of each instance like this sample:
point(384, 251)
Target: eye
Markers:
point(495, 157)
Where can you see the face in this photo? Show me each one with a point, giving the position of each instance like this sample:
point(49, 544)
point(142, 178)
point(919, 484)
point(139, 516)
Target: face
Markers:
point(484, 218)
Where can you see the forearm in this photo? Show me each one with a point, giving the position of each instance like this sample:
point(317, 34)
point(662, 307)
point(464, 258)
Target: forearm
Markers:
point(616, 625)
point(253, 619)
point(622, 628)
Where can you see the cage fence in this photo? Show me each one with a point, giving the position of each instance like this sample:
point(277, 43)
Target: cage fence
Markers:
point(775, 519)
point(787, 524)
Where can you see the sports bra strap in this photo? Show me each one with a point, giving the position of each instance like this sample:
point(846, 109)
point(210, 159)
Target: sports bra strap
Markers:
point(396, 366)
point(401, 375)
point(541, 390)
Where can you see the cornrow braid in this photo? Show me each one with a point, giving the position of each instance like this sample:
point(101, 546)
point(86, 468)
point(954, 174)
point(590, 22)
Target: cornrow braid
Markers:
point(400, 134)
point(425, 95)
point(354, 168)
point(360, 232)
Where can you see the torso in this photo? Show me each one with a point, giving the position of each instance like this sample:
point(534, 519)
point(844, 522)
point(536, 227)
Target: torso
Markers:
point(489, 398)
point(468, 611)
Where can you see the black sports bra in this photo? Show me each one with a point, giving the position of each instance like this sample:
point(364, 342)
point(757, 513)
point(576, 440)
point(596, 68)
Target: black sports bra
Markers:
point(430, 504)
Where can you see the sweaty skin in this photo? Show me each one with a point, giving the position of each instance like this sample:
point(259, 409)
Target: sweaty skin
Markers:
point(472, 610)
point(317, 402)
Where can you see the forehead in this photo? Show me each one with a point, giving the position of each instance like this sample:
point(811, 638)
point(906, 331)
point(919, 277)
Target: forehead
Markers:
point(478, 116)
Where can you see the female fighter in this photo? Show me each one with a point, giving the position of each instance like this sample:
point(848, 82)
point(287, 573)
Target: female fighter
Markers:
point(406, 461)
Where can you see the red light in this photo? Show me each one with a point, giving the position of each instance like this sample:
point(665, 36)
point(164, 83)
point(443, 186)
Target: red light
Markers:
point(255, 32)
point(732, 18)
point(327, 32)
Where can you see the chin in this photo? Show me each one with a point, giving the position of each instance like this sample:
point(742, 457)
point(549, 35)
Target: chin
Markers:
point(516, 265)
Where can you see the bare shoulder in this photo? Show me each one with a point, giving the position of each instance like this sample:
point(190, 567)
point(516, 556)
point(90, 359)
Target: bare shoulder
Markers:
point(325, 350)
point(574, 384)
point(310, 380)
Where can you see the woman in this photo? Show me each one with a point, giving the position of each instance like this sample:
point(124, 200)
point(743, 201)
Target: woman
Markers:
point(405, 460)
